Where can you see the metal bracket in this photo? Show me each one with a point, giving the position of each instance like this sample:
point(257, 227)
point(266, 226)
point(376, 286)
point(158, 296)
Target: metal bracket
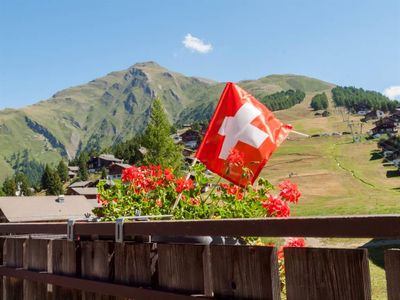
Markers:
point(119, 230)
point(119, 224)
point(70, 229)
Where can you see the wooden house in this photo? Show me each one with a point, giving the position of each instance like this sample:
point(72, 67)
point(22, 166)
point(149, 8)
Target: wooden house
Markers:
point(87, 192)
point(102, 161)
point(115, 170)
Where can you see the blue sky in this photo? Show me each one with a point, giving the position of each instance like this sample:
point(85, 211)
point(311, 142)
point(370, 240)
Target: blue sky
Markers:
point(46, 46)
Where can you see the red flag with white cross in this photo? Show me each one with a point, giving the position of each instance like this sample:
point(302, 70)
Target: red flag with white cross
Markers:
point(241, 137)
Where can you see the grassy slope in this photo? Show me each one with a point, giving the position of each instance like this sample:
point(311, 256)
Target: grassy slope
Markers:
point(336, 177)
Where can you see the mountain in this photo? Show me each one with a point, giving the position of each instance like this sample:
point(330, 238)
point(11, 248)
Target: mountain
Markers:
point(115, 107)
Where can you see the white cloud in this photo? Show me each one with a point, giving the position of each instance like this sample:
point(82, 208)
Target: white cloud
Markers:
point(392, 92)
point(196, 45)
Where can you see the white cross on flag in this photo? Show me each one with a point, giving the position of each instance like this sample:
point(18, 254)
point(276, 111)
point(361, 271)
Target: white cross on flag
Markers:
point(244, 125)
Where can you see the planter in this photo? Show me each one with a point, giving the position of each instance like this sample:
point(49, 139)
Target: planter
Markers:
point(202, 240)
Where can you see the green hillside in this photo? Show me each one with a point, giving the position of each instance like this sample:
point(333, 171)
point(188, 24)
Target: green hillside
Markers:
point(115, 107)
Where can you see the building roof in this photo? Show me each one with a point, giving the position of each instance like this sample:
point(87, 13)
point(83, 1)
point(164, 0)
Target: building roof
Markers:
point(85, 191)
point(109, 157)
point(80, 184)
point(125, 166)
point(73, 168)
point(44, 208)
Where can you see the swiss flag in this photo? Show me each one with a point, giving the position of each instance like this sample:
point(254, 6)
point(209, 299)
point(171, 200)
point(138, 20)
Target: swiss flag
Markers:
point(240, 122)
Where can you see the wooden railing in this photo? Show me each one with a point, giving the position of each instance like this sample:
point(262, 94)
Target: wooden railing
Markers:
point(40, 263)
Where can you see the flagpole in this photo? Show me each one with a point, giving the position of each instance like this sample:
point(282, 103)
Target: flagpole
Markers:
point(187, 177)
point(300, 133)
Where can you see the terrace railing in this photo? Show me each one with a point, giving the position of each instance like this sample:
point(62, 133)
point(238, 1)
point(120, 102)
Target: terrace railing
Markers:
point(39, 262)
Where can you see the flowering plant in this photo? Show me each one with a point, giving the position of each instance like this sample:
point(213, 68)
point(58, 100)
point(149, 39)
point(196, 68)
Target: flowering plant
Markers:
point(153, 190)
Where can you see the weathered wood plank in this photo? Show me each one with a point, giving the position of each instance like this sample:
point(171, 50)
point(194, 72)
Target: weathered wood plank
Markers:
point(64, 261)
point(97, 263)
point(392, 268)
point(245, 272)
point(1, 262)
point(180, 268)
point(321, 273)
point(133, 264)
point(13, 256)
point(35, 259)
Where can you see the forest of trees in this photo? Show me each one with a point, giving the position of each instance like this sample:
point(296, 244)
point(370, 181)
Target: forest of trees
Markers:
point(319, 102)
point(283, 100)
point(355, 99)
point(50, 179)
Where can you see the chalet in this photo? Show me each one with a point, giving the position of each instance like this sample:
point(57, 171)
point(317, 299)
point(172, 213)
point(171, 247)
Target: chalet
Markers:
point(84, 184)
point(190, 138)
point(102, 161)
point(373, 115)
point(385, 125)
point(362, 109)
point(396, 115)
point(73, 171)
point(44, 208)
point(115, 170)
point(87, 192)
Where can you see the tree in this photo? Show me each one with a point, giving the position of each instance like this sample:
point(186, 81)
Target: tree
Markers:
point(83, 171)
point(62, 170)
point(161, 148)
point(129, 150)
point(9, 186)
point(51, 182)
point(56, 186)
point(103, 173)
point(319, 102)
point(2, 192)
point(46, 177)
point(23, 183)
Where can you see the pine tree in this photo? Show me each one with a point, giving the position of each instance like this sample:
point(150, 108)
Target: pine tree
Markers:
point(103, 173)
point(46, 177)
point(83, 171)
point(10, 187)
point(62, 170)
point(161, 148)
point(56, 186)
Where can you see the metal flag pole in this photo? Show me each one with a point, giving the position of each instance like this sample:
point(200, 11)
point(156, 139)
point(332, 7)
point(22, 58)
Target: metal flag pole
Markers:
point(300, 133)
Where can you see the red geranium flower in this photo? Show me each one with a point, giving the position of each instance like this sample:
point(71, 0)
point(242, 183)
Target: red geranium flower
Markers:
point(182, 184)
point(289, 191)
point(168, 175)
point(275, 206)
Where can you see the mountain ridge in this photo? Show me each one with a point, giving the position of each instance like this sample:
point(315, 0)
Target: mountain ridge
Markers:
point(116, 106)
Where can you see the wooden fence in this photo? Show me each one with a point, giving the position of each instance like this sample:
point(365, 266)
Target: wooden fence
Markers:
point(38, 263)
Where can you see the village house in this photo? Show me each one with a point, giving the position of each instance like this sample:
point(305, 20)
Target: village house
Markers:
point(385, 125)
point(373, 115)
point(115, 170)
point(102, 161)
point(73, 171)
point(87, 192)
point(83, 184)
point(44, 208)
point(190, 138)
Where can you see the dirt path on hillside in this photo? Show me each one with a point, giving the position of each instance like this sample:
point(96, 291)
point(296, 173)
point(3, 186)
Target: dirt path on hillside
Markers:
point(352, 173)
